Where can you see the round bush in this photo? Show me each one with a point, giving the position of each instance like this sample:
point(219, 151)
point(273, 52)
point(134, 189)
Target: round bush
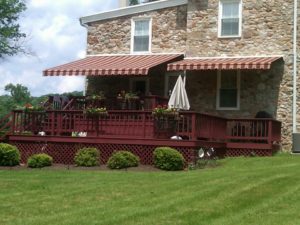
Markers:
point(122, 159)
point(39, 160)
point(167, 158)
point(9, 155)
point(87, 157)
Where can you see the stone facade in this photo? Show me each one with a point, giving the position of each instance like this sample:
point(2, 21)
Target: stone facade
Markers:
point(267, 30)
point(113, 36)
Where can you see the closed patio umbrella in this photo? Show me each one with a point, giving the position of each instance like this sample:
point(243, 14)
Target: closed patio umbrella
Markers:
point(178, 98)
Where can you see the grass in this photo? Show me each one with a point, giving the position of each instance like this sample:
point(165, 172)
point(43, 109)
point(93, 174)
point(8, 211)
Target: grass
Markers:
point(240, 191)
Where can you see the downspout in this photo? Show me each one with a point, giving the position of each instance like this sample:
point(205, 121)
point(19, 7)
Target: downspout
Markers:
point(295, 68)
point(85, 78)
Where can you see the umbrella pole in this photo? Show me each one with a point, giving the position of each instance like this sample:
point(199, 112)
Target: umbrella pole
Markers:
point(184, 77)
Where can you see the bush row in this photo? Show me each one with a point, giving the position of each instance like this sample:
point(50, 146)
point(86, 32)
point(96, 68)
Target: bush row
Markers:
point(164, 158)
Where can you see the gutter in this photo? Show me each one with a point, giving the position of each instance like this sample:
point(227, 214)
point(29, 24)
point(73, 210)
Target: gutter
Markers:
point(294, 109)
point(83, 24)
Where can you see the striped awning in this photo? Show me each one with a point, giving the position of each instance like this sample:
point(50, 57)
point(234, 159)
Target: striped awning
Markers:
point(247, 63)
point(108, 65)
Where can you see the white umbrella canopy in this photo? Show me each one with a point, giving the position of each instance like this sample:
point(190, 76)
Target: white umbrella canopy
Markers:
point(178, 98)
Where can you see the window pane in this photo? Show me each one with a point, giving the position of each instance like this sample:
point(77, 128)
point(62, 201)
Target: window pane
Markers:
point(228, 98)
point(141, 44)
point(141, 28)
point(230, 27)
point(230, 10)
point(229, 80)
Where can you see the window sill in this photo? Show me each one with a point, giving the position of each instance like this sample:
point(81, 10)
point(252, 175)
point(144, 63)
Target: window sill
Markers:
point(230, 37)
point(228, 109)
point(141, 53)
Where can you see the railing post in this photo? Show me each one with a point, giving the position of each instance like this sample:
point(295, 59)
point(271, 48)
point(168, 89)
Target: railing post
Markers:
point(144, 124)
point(194, 135)
point(13, 122)
point(52, 122)
point(270, 132)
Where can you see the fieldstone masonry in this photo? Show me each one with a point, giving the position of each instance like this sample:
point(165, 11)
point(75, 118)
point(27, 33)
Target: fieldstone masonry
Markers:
point(267, 30)
point(113, 36)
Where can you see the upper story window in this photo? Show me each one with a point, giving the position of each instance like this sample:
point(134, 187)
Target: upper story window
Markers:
point(141, 35)
point(230, 18)
point(228, 90)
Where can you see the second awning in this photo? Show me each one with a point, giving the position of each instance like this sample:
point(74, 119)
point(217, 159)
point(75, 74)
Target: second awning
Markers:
point(262, 63)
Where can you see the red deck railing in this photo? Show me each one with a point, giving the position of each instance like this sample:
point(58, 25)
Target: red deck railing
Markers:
point(201, 126)
point(261, 130)
point(5, 125)
point(142, 124)
point(128, 123)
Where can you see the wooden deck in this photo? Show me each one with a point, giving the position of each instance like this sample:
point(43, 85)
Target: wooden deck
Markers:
point(140, 132)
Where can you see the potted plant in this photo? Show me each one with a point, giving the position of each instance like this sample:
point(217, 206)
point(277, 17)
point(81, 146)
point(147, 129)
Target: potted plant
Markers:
point(96, 97)
point(165, 121)
point(96, 112)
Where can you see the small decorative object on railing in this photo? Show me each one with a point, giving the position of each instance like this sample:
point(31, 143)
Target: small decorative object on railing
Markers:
point(42, 133)
point(96, 111)
point(165, 112)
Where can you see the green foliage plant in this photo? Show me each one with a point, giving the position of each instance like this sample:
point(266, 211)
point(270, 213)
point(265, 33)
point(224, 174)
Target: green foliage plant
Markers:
point(87, 157)
point(10, 34)
point(123, 159)
point(39, 160)
point(167, 158)
point(9, 155)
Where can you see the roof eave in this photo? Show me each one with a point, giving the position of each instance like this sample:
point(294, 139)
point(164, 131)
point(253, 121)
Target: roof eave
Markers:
point(84, 21)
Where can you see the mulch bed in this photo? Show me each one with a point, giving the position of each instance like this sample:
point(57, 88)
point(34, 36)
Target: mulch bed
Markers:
point(140, 168)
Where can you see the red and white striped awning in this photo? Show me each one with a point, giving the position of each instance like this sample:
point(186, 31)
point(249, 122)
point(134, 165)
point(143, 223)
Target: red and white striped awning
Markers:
point(248, 63)
point(108, 65)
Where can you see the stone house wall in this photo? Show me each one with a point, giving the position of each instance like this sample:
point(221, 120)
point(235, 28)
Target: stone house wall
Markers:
point(267, 29)
point(113, 36)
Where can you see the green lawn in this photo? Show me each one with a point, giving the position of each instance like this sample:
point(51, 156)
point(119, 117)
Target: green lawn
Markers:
point(252, 191)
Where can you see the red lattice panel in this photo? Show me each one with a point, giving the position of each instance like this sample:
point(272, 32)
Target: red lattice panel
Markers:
point(27, 149)
point(61, 152)
point(232, 152)
point(64, 152)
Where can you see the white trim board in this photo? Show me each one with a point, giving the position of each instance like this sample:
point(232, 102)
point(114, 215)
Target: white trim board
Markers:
point(131, 10)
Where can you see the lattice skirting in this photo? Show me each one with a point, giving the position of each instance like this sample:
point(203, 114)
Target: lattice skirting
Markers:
point(64, 152)
point(233, 152)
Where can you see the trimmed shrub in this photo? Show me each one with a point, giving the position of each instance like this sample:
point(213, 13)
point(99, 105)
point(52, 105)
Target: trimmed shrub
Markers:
point(87, 157)
point(167, 158)
point(9, 155)
point(122, 159)
point(39, 160)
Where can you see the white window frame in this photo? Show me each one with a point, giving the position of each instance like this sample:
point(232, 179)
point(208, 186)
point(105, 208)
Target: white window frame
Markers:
point(133, 20)
point(238, 83)
point(220, 19)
